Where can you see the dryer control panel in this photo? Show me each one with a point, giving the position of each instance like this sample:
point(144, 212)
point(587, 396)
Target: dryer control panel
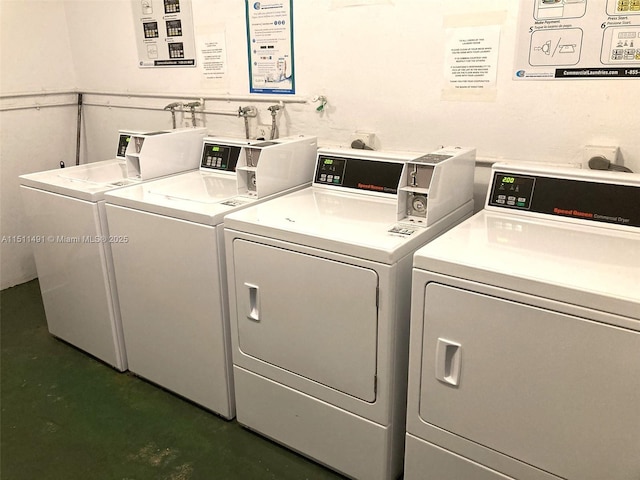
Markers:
point(425, 187)
point(583, 195)
point(366, 174)
point(513, 191)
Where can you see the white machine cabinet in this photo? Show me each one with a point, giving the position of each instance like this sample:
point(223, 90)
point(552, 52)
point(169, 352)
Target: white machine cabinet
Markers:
point(171, 272)
point(319, 285)
point(336, 344)
point(66, 208)
point(525, 335)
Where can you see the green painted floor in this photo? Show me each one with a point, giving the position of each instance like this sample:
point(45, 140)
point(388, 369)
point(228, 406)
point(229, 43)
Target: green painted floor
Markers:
point(68, 416)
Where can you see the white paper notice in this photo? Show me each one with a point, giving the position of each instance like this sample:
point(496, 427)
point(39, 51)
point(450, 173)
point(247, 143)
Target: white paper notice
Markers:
point(471, 63)
point(212, 53)
point(164, 33)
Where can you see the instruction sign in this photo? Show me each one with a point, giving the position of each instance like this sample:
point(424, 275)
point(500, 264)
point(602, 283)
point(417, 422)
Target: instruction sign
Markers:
point(471, 62)
point(571, 39)
point(212, 52)
point(270, 45)
point(164, 33)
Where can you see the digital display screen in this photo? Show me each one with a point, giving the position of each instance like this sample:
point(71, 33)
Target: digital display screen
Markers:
point(331, 171)
point(512, 191)
point(220, 157)
point(360, 174)
point(123, 141)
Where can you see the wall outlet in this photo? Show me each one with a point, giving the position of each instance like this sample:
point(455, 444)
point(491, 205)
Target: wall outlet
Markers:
point(610, 153)
point(367, 137)
point(263, 131)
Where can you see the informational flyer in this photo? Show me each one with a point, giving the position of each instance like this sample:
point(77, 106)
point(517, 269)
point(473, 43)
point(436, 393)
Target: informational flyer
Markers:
point(212, 52)
point(270, 45)
point(578, 39)
point(471, 62)
point(164, 33)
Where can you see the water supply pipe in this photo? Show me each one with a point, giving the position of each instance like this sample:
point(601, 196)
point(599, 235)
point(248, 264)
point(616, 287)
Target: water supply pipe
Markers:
point(245, 113)
point(79, 129)
point(274, 126)
point(172, 107)
point(192, 106)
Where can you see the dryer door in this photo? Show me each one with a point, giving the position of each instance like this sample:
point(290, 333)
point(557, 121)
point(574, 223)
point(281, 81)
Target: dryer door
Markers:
point(556, 391)
point(308, 315)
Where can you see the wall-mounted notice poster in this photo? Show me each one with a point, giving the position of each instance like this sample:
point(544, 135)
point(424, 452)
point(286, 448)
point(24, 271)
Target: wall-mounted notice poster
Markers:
point(471, 63)
point(212, 54)
point(164, 33)
point(270, 45)
point(570, 39)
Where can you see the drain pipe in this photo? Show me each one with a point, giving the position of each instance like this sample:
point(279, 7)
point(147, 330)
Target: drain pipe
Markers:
point(78, 131)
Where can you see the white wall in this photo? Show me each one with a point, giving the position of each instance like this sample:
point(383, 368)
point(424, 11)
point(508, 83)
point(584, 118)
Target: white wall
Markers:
point(380, 66)
point(35, 56)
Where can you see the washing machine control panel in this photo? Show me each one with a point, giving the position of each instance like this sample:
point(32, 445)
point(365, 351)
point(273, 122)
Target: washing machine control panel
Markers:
point(572, 198)
point(359, 173)
point(123, 142)
point(216, 156)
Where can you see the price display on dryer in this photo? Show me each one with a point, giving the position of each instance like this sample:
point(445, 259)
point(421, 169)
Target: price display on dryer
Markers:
point(511, 191)
point(330, 170)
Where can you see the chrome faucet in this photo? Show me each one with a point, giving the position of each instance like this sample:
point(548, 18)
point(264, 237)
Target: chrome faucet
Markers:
point(192, 106)
point(172, 107)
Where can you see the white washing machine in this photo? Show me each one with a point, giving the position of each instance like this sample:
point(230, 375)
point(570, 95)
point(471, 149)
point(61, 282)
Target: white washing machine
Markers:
point(319, 284)
point(525, 334)
point(65, 210)
point(171, 273)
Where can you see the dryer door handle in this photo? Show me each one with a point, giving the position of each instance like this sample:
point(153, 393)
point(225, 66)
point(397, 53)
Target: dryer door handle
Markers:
point(448, 361)
point(254, 302)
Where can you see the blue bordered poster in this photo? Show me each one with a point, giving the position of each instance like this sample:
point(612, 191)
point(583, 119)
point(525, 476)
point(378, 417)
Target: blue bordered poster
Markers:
point(270, 45)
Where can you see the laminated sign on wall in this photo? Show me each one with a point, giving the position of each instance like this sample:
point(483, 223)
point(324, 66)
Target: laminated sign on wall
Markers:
point(164, 33)
point(270, 44)
point(568, 39)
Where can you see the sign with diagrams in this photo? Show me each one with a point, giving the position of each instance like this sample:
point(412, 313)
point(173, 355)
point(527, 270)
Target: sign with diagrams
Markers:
point(164, 33)
point(571, 39)
point(270, 45)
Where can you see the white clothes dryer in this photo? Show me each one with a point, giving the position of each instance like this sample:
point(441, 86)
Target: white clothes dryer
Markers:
point(171, 272)
point(525, 334)
point(65, 209)
point(319, 284)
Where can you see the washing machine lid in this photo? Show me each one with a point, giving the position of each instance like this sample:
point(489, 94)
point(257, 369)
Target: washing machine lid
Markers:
point(197, 196)
point(591, 266)
point(87, 182)
point(352, 224)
